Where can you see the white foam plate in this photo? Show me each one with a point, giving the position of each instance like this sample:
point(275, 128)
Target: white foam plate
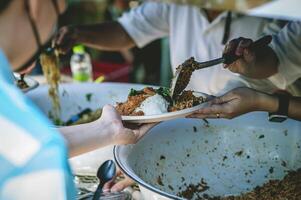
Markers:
point(32, 84)
point(169, 115)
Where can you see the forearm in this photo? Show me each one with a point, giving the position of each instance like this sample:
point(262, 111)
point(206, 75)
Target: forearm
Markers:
point(294, 110)
point(269, 103)
point(109, 36)
point(86, 137)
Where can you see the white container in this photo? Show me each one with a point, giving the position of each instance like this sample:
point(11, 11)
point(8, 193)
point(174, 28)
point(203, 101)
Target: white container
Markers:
point(232, 156)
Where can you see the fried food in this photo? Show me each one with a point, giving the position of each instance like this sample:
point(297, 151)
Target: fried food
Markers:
point(184, 72)
point(186, 100)
point(135, 99)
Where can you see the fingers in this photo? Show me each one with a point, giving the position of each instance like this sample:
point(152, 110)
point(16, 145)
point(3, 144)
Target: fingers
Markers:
point(143, 130)
point(133, 132)
point(65, 39)
point(249, 55)
point(231, 46)
point(207, 116)
point(113, 186)
point(108, 185)
point(239, 47)
point(60, 36)
point(243, 44)
point(217, 107)
point(110, 111)
point(213, 111)
point(121, 185)
point(217, 100)
point(230, 49)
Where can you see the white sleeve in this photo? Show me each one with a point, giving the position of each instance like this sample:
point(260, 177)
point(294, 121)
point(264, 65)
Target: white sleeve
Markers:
point(147, 22)
point(287, 46)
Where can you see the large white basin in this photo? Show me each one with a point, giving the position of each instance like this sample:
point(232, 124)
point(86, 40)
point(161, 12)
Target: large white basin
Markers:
point(231, 156)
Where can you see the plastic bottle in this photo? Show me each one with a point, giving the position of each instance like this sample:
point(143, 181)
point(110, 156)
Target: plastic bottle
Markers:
point(81, 66)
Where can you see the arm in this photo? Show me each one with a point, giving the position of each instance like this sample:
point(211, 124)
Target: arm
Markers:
point(274, 61)
point(138, 27)
point(243, 100)
point(294, 110)
point(107, 130)
point(259, 64)
point(109, 36)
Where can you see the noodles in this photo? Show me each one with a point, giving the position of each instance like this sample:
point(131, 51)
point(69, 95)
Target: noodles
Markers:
point(50, 66)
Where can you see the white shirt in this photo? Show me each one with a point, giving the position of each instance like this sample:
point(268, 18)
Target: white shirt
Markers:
point(191, 34)
point(287, 46)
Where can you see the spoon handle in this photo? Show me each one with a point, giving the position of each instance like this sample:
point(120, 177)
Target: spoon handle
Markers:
point(98, 192)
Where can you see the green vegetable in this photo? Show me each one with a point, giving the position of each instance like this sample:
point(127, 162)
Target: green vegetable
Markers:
point(55, 121)
point(134, 92)
point(88, 97)
point(165, 93)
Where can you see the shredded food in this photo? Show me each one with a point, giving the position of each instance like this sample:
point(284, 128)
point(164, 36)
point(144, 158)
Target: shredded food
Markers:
point(186, 100)
point(289, 188)
point(134, 101)
point(50, 67)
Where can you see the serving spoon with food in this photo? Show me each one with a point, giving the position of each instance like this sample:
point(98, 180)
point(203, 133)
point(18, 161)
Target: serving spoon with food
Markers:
point(185, 70)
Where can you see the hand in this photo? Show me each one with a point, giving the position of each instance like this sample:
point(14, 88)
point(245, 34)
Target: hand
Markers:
point(65, 39)
point(117, 186)
point(240, 47)
point(237, 102)
point(259, 63)
point(121, 133)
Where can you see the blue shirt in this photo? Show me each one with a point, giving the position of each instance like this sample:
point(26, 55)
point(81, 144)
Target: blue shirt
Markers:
point(33, 156)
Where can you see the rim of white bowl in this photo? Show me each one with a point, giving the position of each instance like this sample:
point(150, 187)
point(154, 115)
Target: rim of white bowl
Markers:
point(137, 179)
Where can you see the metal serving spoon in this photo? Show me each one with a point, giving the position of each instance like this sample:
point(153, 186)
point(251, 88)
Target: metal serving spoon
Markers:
point(105, 173)
point(185, 70)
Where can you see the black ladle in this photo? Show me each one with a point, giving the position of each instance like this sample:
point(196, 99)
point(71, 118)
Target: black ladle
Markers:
point(105, 173)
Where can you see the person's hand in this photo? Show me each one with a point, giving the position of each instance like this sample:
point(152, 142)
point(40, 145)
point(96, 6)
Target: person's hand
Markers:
point(65, 39)
point(240, 47)
point(117, 186)
point(121, 133)
point(237, 102)
point(256, 63)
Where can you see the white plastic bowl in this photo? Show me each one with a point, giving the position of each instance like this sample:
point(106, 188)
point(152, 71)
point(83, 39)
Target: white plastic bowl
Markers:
point(232, 156)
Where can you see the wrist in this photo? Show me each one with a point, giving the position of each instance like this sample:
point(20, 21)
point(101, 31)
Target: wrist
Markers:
point(268, 103)
point(102, 131)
